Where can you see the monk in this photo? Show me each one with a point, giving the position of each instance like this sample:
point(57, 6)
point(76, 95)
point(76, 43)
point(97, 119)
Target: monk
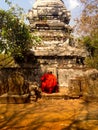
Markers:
point(49, 83)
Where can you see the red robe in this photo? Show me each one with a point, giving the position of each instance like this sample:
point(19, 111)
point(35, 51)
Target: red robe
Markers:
point(49, 83)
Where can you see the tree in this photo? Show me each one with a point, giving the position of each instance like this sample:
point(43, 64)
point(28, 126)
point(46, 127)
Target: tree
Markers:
point(15, 36)
point(87, 24)
point(16, 10)
point(87, 28)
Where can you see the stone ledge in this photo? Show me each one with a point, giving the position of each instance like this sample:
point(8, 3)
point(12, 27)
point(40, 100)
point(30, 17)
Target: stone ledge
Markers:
point(59, 96)
point(14, 99)
point(53, 96)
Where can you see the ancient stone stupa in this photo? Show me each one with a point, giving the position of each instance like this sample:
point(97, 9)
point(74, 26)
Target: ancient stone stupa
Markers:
point(49, 20)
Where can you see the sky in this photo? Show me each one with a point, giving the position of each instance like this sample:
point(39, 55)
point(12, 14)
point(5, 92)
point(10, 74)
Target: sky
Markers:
point(72, 5)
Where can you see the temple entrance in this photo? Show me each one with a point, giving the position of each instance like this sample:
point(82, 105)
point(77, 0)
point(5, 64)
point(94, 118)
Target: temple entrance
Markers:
point(54, 71)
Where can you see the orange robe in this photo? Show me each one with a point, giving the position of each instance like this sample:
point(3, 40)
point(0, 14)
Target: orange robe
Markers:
point(49, 83)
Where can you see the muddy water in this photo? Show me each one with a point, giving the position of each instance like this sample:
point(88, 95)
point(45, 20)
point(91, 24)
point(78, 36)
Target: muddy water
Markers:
point(50, 115)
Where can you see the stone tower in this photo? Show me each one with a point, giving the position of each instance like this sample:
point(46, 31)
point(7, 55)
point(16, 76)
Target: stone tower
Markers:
point(49, 20)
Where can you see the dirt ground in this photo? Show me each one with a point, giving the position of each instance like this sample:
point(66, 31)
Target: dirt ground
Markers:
point(51, 114)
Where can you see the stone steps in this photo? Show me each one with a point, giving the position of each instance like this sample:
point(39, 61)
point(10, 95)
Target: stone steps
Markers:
point(58, 96)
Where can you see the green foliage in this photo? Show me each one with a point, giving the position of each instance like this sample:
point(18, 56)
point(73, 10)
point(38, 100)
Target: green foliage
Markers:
point(92, 62)
point(15, 36)
point(91, 44)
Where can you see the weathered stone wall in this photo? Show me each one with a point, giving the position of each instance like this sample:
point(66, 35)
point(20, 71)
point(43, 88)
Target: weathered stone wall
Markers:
point(65, 75)
point(15, 84)
point(79, 82)
point(64, 67)
point(61, 61)
point(90, 88)
point(13, 88)
point(30, 74)
point(85, 86)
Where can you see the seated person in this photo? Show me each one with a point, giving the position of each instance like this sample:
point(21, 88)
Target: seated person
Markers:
point(49, 83)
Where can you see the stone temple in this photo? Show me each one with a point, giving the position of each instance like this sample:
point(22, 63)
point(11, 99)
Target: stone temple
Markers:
point(57, 51)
